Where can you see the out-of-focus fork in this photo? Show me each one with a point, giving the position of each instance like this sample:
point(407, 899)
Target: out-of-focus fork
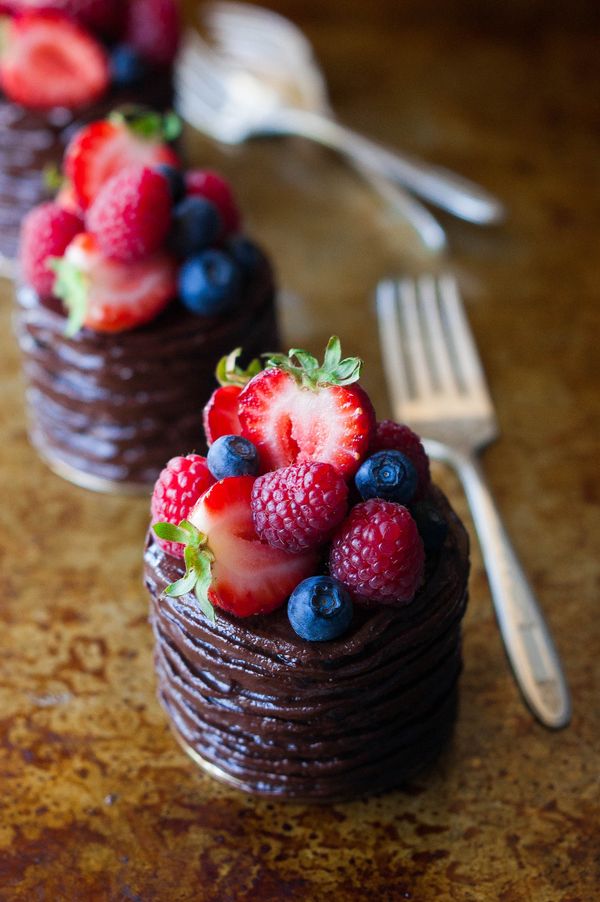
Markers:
point(437, 386)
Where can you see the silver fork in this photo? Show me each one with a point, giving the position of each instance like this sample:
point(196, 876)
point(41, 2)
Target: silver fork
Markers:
point(437, 386)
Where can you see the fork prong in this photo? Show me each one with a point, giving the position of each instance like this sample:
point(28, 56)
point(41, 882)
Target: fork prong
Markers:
point(459, 334)
point(390, 337)
point(413, 343)
point(436, 341)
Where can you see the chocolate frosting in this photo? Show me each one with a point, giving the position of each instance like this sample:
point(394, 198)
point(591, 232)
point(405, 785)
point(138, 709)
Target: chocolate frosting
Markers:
point(32, 141)
point(282, 716)
point(118, 406)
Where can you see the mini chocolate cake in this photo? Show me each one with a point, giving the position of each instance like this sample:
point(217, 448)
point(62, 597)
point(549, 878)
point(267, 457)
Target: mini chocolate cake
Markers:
point(267, 712)
point(107, 410)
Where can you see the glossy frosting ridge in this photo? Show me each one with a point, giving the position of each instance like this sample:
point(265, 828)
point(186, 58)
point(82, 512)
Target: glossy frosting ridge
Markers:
point(281, 716)
point(118, 406)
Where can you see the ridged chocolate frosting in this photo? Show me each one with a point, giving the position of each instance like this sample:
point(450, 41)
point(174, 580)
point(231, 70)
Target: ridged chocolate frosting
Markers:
point(31, 141)
point(277, 715)
point(116, 407)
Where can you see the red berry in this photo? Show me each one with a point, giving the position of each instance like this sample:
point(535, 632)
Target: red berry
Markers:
point(177, 489)
point(153, 29)
point(298, 507)
point(103, 17)
point(290, 423)
point(210, 185)
point(118, 296)
point(378, 554)
point(50, 61)
point(131, 214)
point(67, 200)
point(100, 150)
point(248, 576)
point(390, 436)
point(220, 414)
point(46, 232)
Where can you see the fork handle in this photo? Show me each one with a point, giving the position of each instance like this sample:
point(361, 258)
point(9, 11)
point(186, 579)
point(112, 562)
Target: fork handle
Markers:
point(439, 186)
point(526, 637)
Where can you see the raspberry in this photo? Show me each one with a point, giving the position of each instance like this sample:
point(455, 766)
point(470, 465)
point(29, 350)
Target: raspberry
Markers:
point(393, 436)
point(297, 508)
point(213, 187)
point(131, 214)
point(177, 489)
point(378, 554)
point(46, 232)
point(153, 29)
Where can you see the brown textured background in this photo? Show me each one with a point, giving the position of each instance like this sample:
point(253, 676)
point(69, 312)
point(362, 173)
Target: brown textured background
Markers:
point(97, 801)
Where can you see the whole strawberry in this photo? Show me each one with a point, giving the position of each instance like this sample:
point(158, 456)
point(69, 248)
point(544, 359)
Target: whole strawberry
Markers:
point(131, 214)
point(298, 507)
point(378, 553)
point(177, 489)
point(390, 436)
point(46, 232)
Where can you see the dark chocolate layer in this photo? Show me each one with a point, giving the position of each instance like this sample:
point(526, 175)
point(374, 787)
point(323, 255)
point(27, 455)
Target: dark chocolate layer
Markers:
point(286, 717)
point(31, 141)
point(118, 406)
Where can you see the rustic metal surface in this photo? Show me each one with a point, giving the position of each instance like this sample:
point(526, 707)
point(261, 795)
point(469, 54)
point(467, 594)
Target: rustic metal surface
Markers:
point(97, 800)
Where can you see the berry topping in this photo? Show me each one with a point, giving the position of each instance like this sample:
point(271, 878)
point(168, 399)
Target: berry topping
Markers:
point(377, 553)
point(232, 455)
point(220, 415)
point(103, 17)
point(298, 507)
point(320, 609)
point(153, 28)
point(247, 255)
point(213, 187)
point(176, 491)
point(45, 233)
point(131, 214)
point(389, 475)
point(432, 526)
point(175, 180)
point(109, 296)
point(101, 149)
point(296, 412)
point(393, 436)
point(209, 283)
point(127, 67)
point(227, 564)
point(48, 61)
point(196, 225)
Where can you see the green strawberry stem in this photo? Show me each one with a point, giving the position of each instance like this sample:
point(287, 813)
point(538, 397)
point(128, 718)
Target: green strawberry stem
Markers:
point(198, 559)
point(146, 123)
point(309, 373)
point(229, 373)
point(71, 286)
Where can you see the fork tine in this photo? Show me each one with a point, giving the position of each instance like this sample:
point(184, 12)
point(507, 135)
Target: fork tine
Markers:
point(466, 356)
point(436, 339)
point(413, 343)
point(390, 336)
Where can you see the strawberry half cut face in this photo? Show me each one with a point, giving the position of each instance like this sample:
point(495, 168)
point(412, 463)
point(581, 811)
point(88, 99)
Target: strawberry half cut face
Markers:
point(248, 576)
point(292, 423)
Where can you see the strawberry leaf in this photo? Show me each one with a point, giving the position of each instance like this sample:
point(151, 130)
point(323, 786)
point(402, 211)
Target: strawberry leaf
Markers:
point(71, 286)
point(333, 353)
point(146, 123)
point(307, 371)
point(229, 373)
point(198, 559)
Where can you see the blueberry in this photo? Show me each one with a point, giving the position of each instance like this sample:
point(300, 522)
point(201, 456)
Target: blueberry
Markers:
point(196, 226)
point(209, 283)
point(389, 475)
point(232, 455)
point(320, 608)
point(430, 523)
point(126, 66)
point(175, 180)
point(247, 255)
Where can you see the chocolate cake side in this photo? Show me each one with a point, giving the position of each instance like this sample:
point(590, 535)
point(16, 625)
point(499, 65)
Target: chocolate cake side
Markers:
point(265, 711)
point(107, 410)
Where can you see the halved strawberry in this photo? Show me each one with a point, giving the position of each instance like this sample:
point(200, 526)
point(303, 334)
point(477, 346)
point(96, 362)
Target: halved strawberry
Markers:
point(220, 414)
point(48, 60)
point(109, 296)
point(101, 149)
point(306, 412)
point(247, 575)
